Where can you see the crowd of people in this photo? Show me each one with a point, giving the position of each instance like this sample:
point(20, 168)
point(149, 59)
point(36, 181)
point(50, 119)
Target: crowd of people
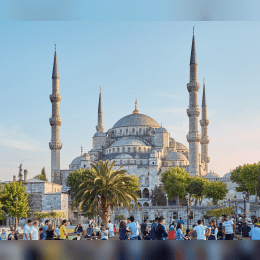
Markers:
point(131, 230)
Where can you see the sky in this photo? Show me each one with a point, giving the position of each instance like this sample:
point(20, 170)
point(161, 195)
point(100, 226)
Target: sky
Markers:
point(144, 60)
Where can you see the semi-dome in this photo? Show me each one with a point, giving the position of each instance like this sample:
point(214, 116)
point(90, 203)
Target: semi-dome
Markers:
point(180, 146)
point(128, 141)
point(124, 156)
point(175, 156)
point(227, 175)
point(136, 120)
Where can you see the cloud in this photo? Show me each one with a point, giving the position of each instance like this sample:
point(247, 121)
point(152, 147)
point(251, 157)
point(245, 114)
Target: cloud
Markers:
point(15, 138)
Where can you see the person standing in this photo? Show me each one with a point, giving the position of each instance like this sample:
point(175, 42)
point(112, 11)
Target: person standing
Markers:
point(170, 221)
point(137, 231)
point(228, 228)
point(160, 231)
point(63, 234)
point(213, 231)
point(50, 233)
point(132, 226)
point(123, 229)
point(111, 228)
point(57, 231)
point(179, 235)
point(153, 227)
point(144, 227)
point(26, 230)
point(200, 230)
point(245, 230)
point(255, 233)
point(45, 227)
point(181, 221)
point(34, 232)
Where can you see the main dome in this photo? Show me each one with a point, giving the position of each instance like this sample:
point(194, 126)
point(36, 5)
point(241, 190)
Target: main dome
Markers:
point(136, 120)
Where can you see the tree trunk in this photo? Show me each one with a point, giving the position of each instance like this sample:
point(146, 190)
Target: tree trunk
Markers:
point(105, 211)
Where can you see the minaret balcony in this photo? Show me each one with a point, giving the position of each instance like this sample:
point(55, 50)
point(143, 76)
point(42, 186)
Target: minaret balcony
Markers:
point(204, 140)
point(195, 111)
point(204, 122)
point(55, 145)
point(55, 121)
point(55, 97)
point(193, 137)
point(193, 86)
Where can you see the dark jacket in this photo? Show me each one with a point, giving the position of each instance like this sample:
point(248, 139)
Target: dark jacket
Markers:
point(245, 230)
point(160, 232)
point(10, 236)
point(152, 232)
point(143, 227)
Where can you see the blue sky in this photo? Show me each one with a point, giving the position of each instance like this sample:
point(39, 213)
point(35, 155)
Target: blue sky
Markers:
point(144, 60)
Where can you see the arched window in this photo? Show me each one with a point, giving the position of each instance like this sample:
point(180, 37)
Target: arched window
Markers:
point(115, 132)
point(120, 131)
point(146, 193)
point(123, 149)
point(126, 131)
point(109, 150)
point(134, 149)
point(135, 162)
point(144, 149)
point(140, 131)
point(146, 204)
point(140, 149)
point(141, 162)
point(147, 180)
point(113, 150)
point(129, 149)
point(133, 131)
point(118, 150)
point(121, 162)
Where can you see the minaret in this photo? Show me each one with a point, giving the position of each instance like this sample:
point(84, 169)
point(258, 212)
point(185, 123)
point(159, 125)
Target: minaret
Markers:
point(204, 131)
point(136, 110)
point(55, 122)
point(100, 127)
point(193, 112)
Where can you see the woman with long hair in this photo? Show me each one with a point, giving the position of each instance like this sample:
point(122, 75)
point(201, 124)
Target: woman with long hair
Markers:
point(123, 229)
point(179, 235)
point(50, 233)
point(214, 231)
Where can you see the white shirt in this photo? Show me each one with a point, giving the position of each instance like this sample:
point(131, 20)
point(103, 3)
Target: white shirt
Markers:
point(26, 230)
point(104, 235)
point(111, 227)
point(200, 232)
point(35, 233)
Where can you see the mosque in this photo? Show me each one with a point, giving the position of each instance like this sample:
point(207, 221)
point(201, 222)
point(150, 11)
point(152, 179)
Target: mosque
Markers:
point(136, 141)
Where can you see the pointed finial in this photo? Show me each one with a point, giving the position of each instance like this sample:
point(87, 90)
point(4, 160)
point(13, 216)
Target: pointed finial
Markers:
point(136, 110)
point(55, 46)
point(204, 81)
point(193, 29)
point(81, 151)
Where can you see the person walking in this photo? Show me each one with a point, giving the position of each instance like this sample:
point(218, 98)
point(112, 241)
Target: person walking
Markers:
point(213, 233)
point(34, 232)
point(200, 230)
point(132, 226)
point(160, 231)
point(50, 233)
point(228, 228)
point(111, 228)
point(26, 230)
point(123, 231)
point(45, 227)
point(181, 221)
point(63, 234)
point(220, 233)
point(153, 227)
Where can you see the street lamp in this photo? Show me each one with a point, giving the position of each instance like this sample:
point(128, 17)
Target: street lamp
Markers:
point(187, 196)
point(235, 199)
point(15, 201)
point(98, 197)
point(244, 193)
point(229, 201)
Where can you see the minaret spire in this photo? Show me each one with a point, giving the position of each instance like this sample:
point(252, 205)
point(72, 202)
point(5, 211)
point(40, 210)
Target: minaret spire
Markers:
point(136, 110)
point(55, 122)
point(100, 127)
point(193, 112)
point(204, 131)
point(81, 151)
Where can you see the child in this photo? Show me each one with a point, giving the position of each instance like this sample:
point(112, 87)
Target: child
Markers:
point(114, 229)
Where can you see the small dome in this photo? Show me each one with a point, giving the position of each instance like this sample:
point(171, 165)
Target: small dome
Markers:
point(227, 175)
point(175, 156)
point(211, 175)
point(128, 141)
point(136, 120)
point(180, 146)
point(99, 134)
point(161, 130)
point(77, 160)
point(124, 156)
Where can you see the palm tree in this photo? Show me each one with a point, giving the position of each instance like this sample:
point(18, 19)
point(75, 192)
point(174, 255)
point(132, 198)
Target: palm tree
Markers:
point(115, 188)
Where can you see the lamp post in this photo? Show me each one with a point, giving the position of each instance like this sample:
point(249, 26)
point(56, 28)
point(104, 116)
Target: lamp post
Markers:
point(244, 193)
point(187, 196)
point(98, 197)
point(235, 199)
point(229, 201)
point(15, 201)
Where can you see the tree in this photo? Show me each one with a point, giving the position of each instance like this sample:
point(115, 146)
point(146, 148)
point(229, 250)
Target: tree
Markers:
point(20, 174)
point(42, 176)
point(215, 190)
point(158, 196)
point(114, 187)
point(246, 177)
point(175, 182)
point(12, 190)
point(219, 212)
point(196, 187)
